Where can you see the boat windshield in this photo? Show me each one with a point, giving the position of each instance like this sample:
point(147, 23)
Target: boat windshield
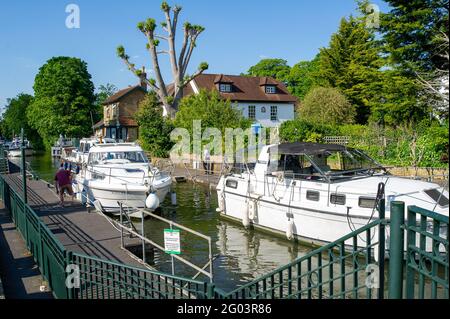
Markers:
point(345, 163)
point(117, 157)
point(328, 165)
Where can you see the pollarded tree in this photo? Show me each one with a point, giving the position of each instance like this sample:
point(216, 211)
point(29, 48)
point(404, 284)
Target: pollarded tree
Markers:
point(168, 97)
point(327, 106)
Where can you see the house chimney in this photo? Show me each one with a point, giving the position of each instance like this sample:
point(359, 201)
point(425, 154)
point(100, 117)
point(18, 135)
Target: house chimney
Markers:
point(143, 77)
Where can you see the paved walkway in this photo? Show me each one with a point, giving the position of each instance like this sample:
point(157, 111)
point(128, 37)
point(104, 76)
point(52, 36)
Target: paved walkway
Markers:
point(77, 230)
point(19, 273)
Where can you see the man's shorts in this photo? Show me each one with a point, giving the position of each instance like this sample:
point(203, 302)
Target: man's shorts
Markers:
point(67, 187)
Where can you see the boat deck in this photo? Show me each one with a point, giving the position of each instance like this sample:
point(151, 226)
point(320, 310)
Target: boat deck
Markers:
point(74, 226)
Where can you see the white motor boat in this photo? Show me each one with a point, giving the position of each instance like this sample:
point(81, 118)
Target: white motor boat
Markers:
point(121, 172)
point(80, 155)
point(15, 148)
point(318, 193)
point(60, 144)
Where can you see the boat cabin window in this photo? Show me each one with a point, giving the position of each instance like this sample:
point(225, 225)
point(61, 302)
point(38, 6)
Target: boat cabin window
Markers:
point(293, 166)
point(117, 157)
point(337, 199)
point(344, 164)
point(313, 195)
point(231, 183)
point(366, 202)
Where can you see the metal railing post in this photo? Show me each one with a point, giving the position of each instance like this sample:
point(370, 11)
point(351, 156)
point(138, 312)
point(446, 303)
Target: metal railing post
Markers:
point(381, 246)
point(24, 168)
point(396, 245)
point(121, 223)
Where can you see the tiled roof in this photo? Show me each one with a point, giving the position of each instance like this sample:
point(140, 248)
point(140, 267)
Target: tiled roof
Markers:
point(244, 88)
point(120, 94)
point(127, 121)
point(98, 124)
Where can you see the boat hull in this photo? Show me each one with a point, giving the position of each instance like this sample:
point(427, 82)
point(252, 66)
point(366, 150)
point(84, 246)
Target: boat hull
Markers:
point(18, 152)
point(109, 195)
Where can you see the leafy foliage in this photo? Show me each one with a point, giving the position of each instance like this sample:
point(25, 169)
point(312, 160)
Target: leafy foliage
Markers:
point(14, 120)
point(103, 92)
point(211, 110)
point(154, 129)
point(409, 32)
point(352, 64)
point(64, 99)
point(327, 105)
point(299, 130)
point(275, 68)
point(303, 77)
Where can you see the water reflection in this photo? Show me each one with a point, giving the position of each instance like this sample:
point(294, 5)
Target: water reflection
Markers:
point(240, 255)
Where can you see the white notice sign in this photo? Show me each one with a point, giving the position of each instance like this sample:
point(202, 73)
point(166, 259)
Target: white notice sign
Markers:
point(172, 241)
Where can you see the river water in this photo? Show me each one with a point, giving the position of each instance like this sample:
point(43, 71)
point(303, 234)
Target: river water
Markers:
point(240, 254)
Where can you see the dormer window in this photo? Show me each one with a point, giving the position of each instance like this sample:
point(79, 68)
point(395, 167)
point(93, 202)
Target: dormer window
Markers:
point(225, 87)
point(271, 89)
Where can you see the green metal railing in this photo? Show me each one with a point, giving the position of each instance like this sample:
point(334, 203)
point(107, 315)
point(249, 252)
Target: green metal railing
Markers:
point(338, 270)
point(351, 267)
point(427, 256)
point(97, 278)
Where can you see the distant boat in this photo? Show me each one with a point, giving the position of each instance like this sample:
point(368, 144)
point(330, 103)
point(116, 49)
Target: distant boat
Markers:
point(60, 144)
point(80, 155)
point(15, 148)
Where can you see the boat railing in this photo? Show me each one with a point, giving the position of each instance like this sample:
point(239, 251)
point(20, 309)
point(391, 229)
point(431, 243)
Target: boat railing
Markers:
point(173, 226)
point(123, 178)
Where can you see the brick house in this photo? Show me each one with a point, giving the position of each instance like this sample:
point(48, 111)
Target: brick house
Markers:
point(118, 112)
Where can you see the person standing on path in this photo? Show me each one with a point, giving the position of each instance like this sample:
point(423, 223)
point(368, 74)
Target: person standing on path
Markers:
point(206, 160)
point(63, 182)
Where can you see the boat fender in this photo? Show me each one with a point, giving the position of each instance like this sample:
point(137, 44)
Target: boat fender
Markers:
point(290, 230)
point(83, 197)
point(252, 210)
point(221, 202)
point(280, 177)
point(152, 201)
point(173, 198)
point(245, 219)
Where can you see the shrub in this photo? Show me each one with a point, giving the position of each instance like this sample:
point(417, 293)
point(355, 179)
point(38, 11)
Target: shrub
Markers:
point(154, 129)
point(327, 106)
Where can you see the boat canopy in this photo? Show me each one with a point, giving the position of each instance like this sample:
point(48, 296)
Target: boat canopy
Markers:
point(299, 148)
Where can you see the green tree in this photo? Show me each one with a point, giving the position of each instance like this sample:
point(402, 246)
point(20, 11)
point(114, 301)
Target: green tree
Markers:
point(212, 110)
point(327, 106)
point(303, 76)
point(154, 129)
point(397, 100)
point(300, 130)
point(64, 100)
point(14, 119)
point(103, 92)
point(276, 68)
point(410, 30)
point(352, 63)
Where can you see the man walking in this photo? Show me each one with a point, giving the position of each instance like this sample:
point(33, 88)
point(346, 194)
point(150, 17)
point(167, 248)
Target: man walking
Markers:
point(63, 182)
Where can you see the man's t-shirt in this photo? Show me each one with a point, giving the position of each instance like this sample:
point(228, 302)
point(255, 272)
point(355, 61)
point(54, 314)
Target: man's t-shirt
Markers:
point(63, 177)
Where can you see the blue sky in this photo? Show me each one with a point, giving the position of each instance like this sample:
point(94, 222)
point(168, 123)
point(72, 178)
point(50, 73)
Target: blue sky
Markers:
point(238, 34)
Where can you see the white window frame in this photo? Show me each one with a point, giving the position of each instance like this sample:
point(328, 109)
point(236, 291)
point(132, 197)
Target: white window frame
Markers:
point(271, 89)
point(274, 113)
point(225, 87)
point(253, 112)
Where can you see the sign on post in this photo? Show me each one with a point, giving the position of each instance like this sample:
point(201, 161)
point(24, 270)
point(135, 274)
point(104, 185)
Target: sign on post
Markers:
point(172, 241)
